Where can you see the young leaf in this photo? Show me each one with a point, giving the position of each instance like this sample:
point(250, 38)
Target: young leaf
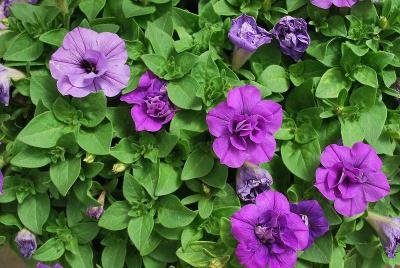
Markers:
point(34, 211)
point(172, 214)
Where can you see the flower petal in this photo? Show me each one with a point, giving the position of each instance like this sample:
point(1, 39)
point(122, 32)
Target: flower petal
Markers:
point(376, 187)
point(228, 154)
point(350, 207)
point(275, 201)
point(219, 118)
point(364, 156)
point(243, 98)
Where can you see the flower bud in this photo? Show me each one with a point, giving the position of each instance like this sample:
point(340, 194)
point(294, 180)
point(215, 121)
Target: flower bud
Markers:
point(119, 167)
point(96, 212)
point(26, 242)
point(383, 22)
point(89, 158)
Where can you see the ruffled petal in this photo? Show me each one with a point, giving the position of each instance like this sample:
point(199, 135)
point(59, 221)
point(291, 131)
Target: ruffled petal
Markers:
point(243, 98)
point(364, 156)
point(323, 176)
point(219, 118)
point(376, 187)
point(142, 121)
point(263, 152)
point(334, 153)
point(270, 200)
point(228, 154)
point(350, 207)
point(272, 113)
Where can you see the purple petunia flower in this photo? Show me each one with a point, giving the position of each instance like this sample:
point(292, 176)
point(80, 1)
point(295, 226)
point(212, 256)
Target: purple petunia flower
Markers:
point(5, 84)
point(292, 36)
point(252, 180)
point(151, 106)
point(388, 230)
point(26, 242)
point(1, 182)
point(42, 265)
point(89, 62)
point(268, 233)
point(325, 4)
point(244, 127)
point(247, 37)
point(96, 212)
point(5, 11)
point(313, 216)
point(351, 177)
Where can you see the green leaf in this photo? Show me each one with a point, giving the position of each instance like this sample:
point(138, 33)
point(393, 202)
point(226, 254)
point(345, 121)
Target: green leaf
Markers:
point(351, 131)
point(198, 164)
point(130, 9)
point(132, 190)
point(139, 230)
point(43, 87)
point(23, 48)
point(206, 207)
point(96, 141)
point(162, 43)
point(93, 107)
point(115, 217)
point(373, 120)
point(217, 176)
point(52, 250)
point(156, 63)
point(64, 174)
point(169, 179)
point(183, 93)
point(172, 214)
point(83, 258)
point(113, 256)
point(126, 151)
point(91, 8)
point(365, 75)
point(34, 211)
point(275, 78)
point(188, 120)
point(54, 37)
point(336, 27)
point(320, 251)
point(331, 83)
point(31, 157)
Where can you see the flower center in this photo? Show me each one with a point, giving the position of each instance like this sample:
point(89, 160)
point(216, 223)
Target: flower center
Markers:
point(353, 175)
point(248, 33)
point(158, 106)
point(304, 218)
point(89, 67)
point(267, 235)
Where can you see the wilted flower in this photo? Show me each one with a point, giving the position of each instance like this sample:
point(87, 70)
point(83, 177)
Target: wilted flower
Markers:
point(42, 265)
point(269, 234)
point(26, 242)
point(5, 84)
point(351, 177)
point(252, 180)
point(292, 36)
point(151, 106)
point(325, 4)
point(96, 212)
point(247, 37)
point(388, 230)
point(244, 127)
point(5, 9)
point(313, 216)
point(89, 62)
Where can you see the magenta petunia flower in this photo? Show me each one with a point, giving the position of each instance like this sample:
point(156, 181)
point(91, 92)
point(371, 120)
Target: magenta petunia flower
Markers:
point(26, 242)
point(313, 216)
point(89, 62)
point(325, 4)
point(244, 127)
point(1, 182)
point(42, 265)
point(268, 232)
point(351, 177)
point(151, 106)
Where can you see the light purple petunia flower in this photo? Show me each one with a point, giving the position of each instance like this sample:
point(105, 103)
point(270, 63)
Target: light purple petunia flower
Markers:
point(42, 265)
point(351, 177)
point(292, 36)
point(388, 230)
point(244, 127)
point(313, 216)
point(251, 180)
point(96, 212)
point(151, 106)
point(325, 4)
point(5, 84)
point(268, 233)
point(89, 62)
point(26, 242)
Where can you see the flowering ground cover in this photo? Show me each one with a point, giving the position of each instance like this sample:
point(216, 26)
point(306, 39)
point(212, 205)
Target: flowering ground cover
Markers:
point(211, 133)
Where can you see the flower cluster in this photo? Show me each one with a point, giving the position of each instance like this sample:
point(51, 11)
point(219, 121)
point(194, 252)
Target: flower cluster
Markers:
point(325, 4)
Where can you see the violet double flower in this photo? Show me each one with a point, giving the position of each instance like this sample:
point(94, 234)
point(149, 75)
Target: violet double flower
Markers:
point(151, 107)
point(351, 177)
point(268, 232)
point(244, 127)
point(325, 4)
point(89, 62)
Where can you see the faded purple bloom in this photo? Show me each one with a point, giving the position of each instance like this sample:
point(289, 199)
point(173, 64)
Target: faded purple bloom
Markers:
point(26, 242)
point(244, 127)
point(268, 233)
point(325, 4)
point(313, 216)
point(5, 11)
point(5, 84)
point(42, 265)
point(151, 106)
point(96, 212)
point(351, 177)
point(252, 180)
point(292, 36)
point(89, 62)
point(388, 230)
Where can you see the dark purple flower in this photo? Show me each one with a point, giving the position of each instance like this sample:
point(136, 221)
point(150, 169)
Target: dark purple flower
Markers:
point(26, 242)
point(292, 36)
point(351, 177)
point(42, 265)
point(151, 106)
point(96, 212)
point(325, 4)
point(268, 233)
point(388, 230)
point(1, 182)
point(89, 62)
point(244, 127)
point(5, 84)
point(313, 216)
point(252, 180)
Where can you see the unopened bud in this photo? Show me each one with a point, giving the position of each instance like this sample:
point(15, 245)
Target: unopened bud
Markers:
point(119, 167)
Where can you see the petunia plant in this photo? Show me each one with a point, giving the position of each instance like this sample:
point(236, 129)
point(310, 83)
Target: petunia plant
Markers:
point(203, 133)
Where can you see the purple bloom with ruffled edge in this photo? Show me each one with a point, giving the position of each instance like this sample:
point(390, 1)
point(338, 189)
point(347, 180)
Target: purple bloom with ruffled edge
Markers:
point(89, 62)
point(251, 180)
point(151, 107)
point(268, 232)
point(326, 4)
point(247, 37)
point(292, 36)
point(5, 11)
point(313, 216)
point(26, 242)
point(42, 265)
point(5, 84)
point(351, 177)
point(244, 127)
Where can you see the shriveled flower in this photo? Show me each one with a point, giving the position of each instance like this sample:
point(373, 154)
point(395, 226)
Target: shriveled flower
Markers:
point(247, 37)
point(269, 234)
point(388, 230)
point(5, 84)
point(89, 62)
point(351, 177)
point(252, 180)
point(42, 265)
point(96, 212)
point(244, 127)
point(313, 216)
point(151, 107)
point(5, 11)
point(325, 4)
point(292, 36)
point(26, 242)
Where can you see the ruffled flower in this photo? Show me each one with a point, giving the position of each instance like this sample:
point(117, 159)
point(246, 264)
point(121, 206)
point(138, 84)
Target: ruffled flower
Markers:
point(26, 242)
point(326, 4)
